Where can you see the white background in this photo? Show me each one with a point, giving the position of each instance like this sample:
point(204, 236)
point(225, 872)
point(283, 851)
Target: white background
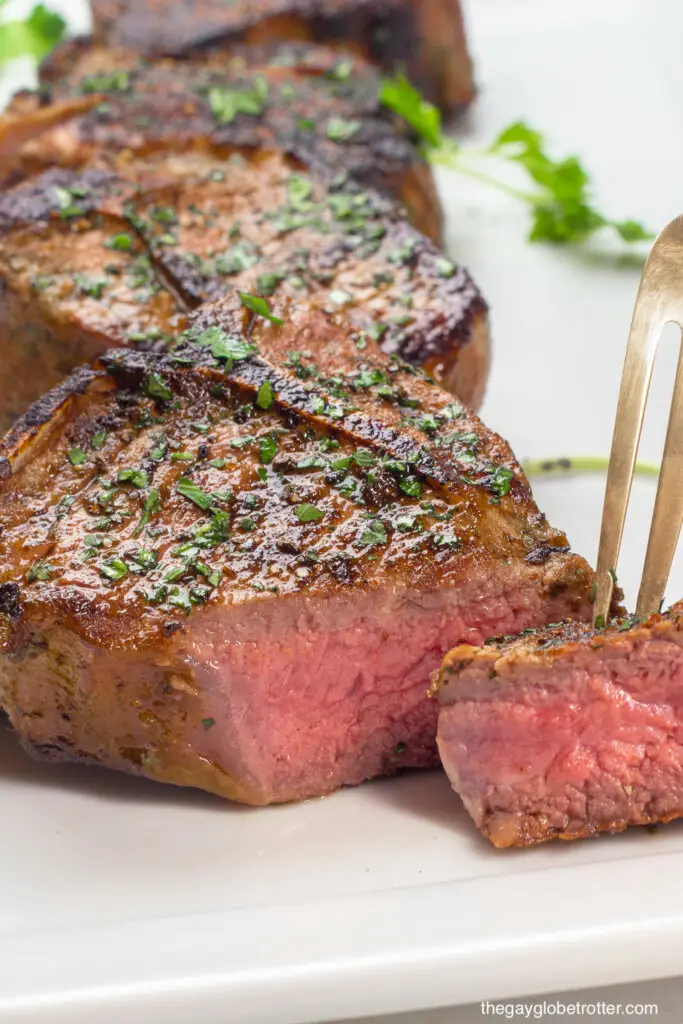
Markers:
point(120, 900)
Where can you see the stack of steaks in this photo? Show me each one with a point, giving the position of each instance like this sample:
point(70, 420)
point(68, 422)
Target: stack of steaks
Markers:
point(237, 540)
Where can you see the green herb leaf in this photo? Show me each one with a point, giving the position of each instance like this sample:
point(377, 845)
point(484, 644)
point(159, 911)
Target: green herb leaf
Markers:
point(267, 449)
point(340, 129)
point(136, 477)
point(400, 96)
point(155, 386)
point(265, 395)
point(308, 513)
point(258, 305)
point(560, 202)
point(121, 242)
point(410, 485)
point(227, 103)
point(113, 569)
point(39, 571)
point(190, 490)
point(115, 81)
point(208, 723)
point(98, 440)
point(374, 533)
point(151, 507)
point(34, 36)
point(76, 456)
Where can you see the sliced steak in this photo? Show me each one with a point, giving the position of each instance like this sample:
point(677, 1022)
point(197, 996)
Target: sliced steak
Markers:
point(307, 101)
point(234, 566)
point(424, 38)
point(567, 732)
point(91, 259)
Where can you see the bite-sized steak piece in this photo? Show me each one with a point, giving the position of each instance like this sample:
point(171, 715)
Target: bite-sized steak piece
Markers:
point(567, 732)
point(91, 259)
point(234, 566)
point(308, 101)
point(423, 38)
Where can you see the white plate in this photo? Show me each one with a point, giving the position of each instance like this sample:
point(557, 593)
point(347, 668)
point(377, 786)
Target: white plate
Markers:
point(121, 900)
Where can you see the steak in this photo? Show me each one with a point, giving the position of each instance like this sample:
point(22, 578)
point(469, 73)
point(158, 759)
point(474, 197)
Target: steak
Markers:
point(234, 565)
point(424, 38)
point(92, 259)
point(111, 110)
point(567, 732)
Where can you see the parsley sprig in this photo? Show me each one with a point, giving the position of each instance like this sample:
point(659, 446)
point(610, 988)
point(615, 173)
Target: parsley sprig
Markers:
point(33, 36)
point(560, 200)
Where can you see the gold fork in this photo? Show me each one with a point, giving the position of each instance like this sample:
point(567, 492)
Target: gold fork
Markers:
point(659, 301)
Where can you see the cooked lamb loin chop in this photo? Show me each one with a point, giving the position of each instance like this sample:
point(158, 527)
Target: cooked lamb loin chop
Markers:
point(90, 259)
point(424, 38)
point(234, 566)
point(111, 109)
point(567, 732)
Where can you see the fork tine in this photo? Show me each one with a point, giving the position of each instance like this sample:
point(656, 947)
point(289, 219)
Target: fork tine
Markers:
point(668, 513)
point(659, 300)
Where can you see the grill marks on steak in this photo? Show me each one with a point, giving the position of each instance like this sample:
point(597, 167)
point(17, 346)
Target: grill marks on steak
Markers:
point(213, 590)
point(93, 259)
point(566, 732)
point(425, 38)
point(310, 102)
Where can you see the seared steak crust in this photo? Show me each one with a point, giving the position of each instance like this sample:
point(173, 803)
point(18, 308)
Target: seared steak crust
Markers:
point(92, 259)
point(425, 38)
point(566, 732)
point(310, 102)
point(234, 565)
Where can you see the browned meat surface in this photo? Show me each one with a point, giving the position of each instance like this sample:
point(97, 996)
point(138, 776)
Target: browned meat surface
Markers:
point(425, 38)
point(92, 259)
point(234, 566)
point(567, 732)
point(310, 102)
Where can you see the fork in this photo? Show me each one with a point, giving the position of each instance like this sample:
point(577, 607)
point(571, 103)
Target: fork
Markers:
point(659, 301)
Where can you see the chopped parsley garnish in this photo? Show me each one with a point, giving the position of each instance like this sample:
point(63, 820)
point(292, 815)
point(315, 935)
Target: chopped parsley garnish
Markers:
point(76, 456)
point(265, 395)
point(39, 571)
point(299, 192)
point(208, 723)
point(121, 242)
point(190, 490)
point(136, 477)
point(145, 558)
point(115, 81)
point(65, 201)
point(164, 215)
point(308, 513)
point(98, 440)
point(239, 257)
point(227, 103)
point(218, 463)
point(258, 305)
point(445, 268)
point(89, 286)
point(267, 449)
point(500, 482)
point(113, 569)
point(267, 283)
point(410, 485)
point(374, 533)
point(155, 386)
point(340, 129)
point(225, 346)
point(151, 507)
